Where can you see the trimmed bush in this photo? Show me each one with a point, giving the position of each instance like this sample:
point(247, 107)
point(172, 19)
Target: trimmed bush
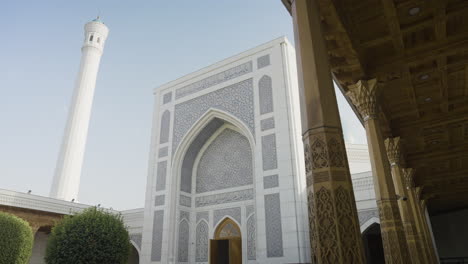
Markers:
point(16, 240)
point(92, 237)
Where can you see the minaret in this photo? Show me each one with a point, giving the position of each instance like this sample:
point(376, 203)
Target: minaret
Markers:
point(67, 173)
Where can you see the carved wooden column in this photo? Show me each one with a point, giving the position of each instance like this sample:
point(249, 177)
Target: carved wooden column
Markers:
point(412, 238)
point(364, 97)
point(334, 225)
point(425, 224)
point(413, 202)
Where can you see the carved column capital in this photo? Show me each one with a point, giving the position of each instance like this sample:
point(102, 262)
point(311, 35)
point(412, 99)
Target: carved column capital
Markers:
point(392, 145)
point(408, 174)
point(364, 96)
point(418, 192)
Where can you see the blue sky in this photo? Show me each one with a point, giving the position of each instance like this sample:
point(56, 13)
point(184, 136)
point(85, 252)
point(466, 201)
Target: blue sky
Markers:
point(149, 44)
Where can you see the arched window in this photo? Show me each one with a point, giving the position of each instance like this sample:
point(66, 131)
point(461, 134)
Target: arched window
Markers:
point(98, 40)
point(91, 38)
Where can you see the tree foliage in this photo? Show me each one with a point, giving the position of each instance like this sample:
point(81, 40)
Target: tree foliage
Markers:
point(16, 240)
point(92, 237)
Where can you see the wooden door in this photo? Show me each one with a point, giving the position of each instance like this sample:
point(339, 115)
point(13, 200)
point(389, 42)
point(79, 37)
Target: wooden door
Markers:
point(213, 251)
point(235, 251)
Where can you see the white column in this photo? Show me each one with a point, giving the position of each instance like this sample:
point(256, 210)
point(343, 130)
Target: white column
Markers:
point(66, 181)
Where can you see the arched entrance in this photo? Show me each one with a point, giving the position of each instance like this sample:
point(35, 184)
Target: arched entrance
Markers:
point(372, 240)
point(134, 256)
point(226, 247)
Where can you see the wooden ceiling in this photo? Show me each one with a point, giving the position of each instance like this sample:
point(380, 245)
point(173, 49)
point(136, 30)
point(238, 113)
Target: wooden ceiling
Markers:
point(418, 50)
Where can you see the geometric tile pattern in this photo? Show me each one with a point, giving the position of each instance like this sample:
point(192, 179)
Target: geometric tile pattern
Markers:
point(268, 123)
point(156, 244)
point(185, 201)
point(167, 97)
point(183, 241)
point(161, 176)
point(162, 152)
point(274, 233)
point(226, 163)
point(265, 94)
point(234, 213)
point(235, 99)
point(192, 153)
point(249, 209)
point(270, 181)
point(263, 61)
point(159, 200)
point(201, 242)
point(202, 215)
point(269, 152)
point(165, 123)
point(214, 79)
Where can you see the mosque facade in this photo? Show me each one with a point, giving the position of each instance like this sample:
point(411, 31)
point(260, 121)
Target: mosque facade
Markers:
point(226, 177)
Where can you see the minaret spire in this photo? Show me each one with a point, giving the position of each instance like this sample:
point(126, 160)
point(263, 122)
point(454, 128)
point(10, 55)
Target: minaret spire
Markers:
point(66, 181)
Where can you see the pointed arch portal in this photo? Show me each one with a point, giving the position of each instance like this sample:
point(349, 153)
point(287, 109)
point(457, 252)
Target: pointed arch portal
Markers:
point(226, 247)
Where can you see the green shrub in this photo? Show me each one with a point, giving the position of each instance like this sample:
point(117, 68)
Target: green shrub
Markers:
point(16, 240)
point(92, 237)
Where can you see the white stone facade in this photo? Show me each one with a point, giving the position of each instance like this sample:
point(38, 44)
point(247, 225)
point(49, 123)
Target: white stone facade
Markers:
point(225, 144)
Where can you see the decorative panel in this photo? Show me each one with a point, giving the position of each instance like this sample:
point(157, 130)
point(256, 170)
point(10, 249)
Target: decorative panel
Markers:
point(270, 181)
point(165, 124)
point(263, 61)
point(249, 209)
point(234, 213)
point(159, 200)
point(226, 163)
point(163, 152)
point(202, 242)
point(185, 201)
point(269, 152)
point(202, 215)
point(182, 254)
point(161, 176)
point(274, 232)
point(251, 238)
point(265, 93)
point(136, 238)
point(214, 79)
point(192, 153)
point(267, 124)
point(221, 198)
point(156, 244)
point(236, 99)
point(167, 97)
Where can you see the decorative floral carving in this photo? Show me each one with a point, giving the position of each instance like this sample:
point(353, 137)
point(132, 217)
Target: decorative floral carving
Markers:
point(348, 228)
point(364, 97)
point(165, 123)
point(269, 157)
point(336, 152)
point(274, 232)
point(326, 227)
point(307, 158)
point(265, 94)
point(319, 153)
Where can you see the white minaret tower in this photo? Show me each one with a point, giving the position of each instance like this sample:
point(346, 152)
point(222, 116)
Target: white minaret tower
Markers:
point(67, 173)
